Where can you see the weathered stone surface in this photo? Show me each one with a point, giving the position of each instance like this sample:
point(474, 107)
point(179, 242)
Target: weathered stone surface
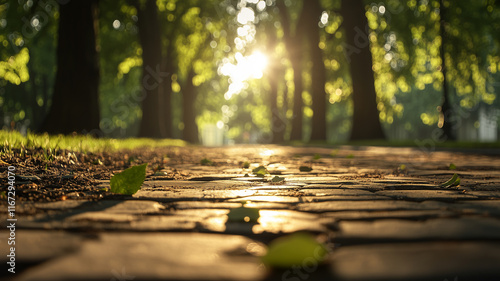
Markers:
point(270, 198)
point(380, 205)
point(404, 214)
point(162, 232)
point(156, 256)
point(61, 205)
point(464, 261)
point(34, 246)
point(422, 195)
point(466, 228)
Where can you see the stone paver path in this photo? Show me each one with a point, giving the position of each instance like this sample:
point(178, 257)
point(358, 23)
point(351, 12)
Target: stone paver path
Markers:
point(380, 220)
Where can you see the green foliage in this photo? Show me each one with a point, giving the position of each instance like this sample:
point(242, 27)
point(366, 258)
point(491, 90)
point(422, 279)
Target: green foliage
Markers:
point(10, 140)
point(260, 171)
point(294, 250)
point(277, 179)
point(404, 38)
point(206, 162)
point(129, 181)
point(243, 214)
point(305, 168)
point(453, 181)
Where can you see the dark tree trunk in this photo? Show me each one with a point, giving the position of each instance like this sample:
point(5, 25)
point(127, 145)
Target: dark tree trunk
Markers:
point(169, 68)
point(294, 45)
point(278, 127)
point(190, 132)
point(75, 103)
point(365, 122)
point(318, 74)
point(446, 109)
point(153, 77)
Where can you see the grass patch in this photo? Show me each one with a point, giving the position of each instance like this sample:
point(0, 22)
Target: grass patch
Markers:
point(13, 140)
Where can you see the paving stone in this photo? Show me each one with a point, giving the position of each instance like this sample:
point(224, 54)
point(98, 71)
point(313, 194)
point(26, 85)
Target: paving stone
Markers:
point(270, 198)
point(380, 205)
point(286, 221)
point(35, 246)
point(342, 198)
point(311, 179)
point(485, 194)
point(156, 256)
point(374, 215)
point(335, 191)
point(422, 195)
point(432, 261)
point(465, 228)
point(61, 205)
point(404, 186)
point(226, 205)
point(482, 207)
point(277, 187)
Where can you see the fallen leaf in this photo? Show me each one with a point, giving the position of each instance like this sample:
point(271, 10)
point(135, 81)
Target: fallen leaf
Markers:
point(243, 214)
point(294, 250)
point(260, 171)
point(129, 181)
point(454, 181)
point(277, 179)
point(305, 168)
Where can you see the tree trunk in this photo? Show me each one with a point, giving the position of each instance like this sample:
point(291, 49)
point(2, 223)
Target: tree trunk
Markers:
point(169, 68)
point(318, 74)
point(190, 132)
point(278, 127)
point(75, 103)
point(153, 77)
point(294, 45)
point(365, 122)
point(446, 109)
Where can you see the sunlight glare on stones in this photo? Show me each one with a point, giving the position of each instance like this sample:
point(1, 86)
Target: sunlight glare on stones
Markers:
point(267, 152)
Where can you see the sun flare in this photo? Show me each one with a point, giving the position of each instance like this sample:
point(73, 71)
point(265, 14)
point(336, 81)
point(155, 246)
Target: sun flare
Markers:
point(245, 68)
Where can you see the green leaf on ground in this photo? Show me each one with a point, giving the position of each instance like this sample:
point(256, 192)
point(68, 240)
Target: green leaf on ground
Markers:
point(129, 181)
point(294, 250)
point(243, 214)
point(277, 179)
point(317, 156)
point(334, 153)
point(452, 166)
point(260, 171)
point(246, 165)
point(454, 181)
point(402, 167)
point(350, 156)
point(206, 162)
point(305, 168)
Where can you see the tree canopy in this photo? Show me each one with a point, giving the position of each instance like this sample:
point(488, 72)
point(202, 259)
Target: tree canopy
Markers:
point(259, 70)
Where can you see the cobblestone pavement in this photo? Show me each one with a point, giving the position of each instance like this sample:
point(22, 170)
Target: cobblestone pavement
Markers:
point(379, 211)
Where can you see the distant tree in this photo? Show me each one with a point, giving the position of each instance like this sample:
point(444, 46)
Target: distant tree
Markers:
point(275, 78)
point(445, 110)
point(295, 47)
point(75, 103)
point(313, 12)
point(153, 76)
point(365, 122)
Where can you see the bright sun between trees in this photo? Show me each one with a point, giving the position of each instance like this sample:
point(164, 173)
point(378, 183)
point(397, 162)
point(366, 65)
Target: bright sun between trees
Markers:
point(245, 68)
